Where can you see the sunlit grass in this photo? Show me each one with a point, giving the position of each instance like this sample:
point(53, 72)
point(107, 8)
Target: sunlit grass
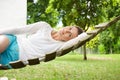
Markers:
point(71, 67)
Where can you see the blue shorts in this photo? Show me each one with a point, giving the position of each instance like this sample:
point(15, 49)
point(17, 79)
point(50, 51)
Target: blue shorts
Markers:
point(12, 51)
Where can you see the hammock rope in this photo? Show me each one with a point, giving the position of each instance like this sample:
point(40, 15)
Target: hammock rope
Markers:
point(51, 56)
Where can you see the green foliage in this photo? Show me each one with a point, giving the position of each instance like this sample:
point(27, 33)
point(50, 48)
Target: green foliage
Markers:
point(35, 10)
point(101, 48)
point(106, 39)
point(79, 12)
point(93, 43)
point(110, 37)
point(41, 11)
point(114, 8)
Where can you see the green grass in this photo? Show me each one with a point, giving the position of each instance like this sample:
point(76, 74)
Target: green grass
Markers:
point(70, 67)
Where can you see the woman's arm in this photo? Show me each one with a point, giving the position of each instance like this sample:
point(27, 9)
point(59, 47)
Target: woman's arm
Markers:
point(31, 28)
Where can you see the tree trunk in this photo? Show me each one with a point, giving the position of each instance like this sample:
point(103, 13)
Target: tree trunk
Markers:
point(85, 54)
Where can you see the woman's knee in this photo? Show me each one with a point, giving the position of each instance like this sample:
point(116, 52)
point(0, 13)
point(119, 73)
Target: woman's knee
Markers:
point(4, 43)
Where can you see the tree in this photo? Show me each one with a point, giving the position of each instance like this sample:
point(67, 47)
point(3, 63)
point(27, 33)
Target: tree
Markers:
point(110, 38)
point(39, 11)
point(83, 13)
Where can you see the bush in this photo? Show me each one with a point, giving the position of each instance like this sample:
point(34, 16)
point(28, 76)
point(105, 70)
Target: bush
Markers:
point(101, 48)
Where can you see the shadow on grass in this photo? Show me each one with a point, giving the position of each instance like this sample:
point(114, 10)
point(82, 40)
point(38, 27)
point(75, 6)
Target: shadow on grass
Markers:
point(72, 58)
point(100, 58)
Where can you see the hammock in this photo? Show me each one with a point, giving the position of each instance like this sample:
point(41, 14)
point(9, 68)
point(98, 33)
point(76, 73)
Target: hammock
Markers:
point(66, 48)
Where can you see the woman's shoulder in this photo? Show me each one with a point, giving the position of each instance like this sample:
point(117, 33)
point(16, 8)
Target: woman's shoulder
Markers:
point(44, 24)
point(39, 23)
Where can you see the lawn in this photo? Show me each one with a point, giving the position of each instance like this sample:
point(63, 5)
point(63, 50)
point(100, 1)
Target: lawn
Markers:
point(70, 67)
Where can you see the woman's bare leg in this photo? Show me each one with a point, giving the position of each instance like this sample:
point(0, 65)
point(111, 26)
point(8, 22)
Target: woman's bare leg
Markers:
point(4, 42)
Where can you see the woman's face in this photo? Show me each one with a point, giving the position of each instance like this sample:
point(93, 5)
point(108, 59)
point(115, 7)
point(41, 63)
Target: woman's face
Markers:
point(68, 33)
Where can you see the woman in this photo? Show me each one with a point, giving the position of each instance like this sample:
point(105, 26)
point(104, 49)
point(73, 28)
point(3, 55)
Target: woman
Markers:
point(40, 39)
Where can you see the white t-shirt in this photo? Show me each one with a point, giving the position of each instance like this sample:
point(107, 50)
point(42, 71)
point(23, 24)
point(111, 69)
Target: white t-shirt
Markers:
point(36, 42)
